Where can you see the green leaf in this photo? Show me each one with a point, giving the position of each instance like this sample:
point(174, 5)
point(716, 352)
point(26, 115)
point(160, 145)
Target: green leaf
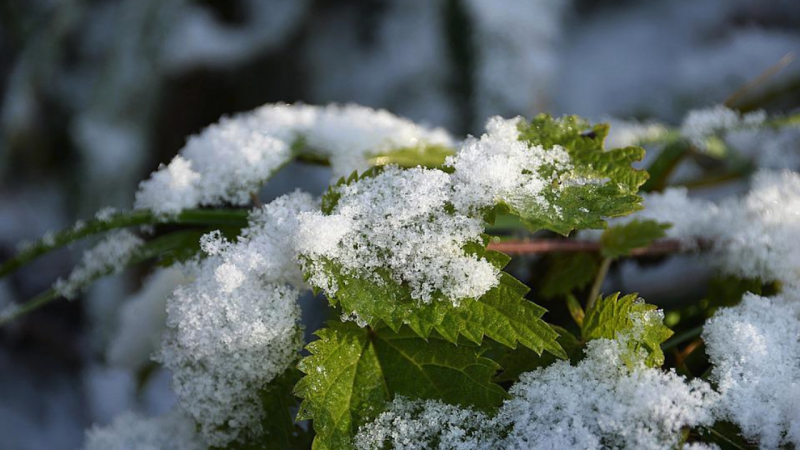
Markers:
point(502, 313)
point(517, 361)
point(568, 272)
point(601, 184)
point(665, 163)
point(630, 319)
point(353, 372)
point(619, 240)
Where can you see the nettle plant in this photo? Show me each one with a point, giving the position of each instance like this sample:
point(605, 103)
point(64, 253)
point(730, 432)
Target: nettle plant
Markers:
point(432, 342)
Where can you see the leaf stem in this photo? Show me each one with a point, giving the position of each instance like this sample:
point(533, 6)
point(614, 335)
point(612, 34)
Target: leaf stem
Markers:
point(598, 282)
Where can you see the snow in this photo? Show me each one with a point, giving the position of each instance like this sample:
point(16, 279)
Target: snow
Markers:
point(110, 255)
point(499, 167)
point(234, 328)
point(383, 223)
point(602, 402)
point(752, 236)
point(232, 158)
point(755, 350)
point(701, 124)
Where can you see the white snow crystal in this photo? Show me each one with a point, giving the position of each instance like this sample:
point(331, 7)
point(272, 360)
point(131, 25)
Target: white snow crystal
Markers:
point(600, 403)
point(232, 158)
point(755, 350)
point(396, 223)
point(429, 425)
point(500, 167)
point(755, 236)
point(234, 328)
point(172, 431)
point(110, 255)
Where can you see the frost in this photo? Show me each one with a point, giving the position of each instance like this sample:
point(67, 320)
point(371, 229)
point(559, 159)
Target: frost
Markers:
point(110, 255)
point(142, 319)
point(130, 432)
point(755, 349)
point(499, 167)
point(600, 403)
point(234, 328)
point(398, 221)
point(232, 158)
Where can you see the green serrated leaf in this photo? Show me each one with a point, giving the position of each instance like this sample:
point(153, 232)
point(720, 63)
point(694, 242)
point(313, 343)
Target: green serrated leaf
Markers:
point(601, 184)
point(353, 372)
point(517, 361)
point(502, 313)
point(631, 319)
point(619, 240)
point(568, 272)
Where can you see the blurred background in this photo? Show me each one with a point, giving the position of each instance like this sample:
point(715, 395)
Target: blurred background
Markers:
point(95, 94)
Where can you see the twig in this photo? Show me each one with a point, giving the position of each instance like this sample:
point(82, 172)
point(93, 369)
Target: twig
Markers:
point(765, 75)
point(543, 246)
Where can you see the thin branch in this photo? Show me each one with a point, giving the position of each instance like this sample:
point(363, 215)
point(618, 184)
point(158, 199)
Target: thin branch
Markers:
point(543, 246)
point(207, 217)
point(760, 79)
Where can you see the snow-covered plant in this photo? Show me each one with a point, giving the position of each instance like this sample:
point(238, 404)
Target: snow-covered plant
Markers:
point(432, 343)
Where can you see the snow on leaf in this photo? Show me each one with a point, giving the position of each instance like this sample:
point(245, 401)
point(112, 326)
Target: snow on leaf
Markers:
point(600, 183)
point(353, 372)
point(631, 321)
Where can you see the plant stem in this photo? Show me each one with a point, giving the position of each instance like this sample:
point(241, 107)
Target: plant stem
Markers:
point(679, 339)
point(542, 246)
point(211, 217)
point(150, 250)
point(598, 282)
